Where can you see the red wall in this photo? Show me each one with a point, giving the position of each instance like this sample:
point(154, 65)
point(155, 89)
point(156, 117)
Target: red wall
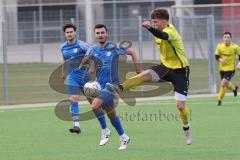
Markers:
point(226, 14)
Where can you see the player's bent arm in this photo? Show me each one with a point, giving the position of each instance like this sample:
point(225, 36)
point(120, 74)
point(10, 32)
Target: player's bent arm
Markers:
point(92, 70)
point(63, 74)
point(238, 53)
point(133, 54)
point(238, 65)
point(219, 59)
point(86, 58)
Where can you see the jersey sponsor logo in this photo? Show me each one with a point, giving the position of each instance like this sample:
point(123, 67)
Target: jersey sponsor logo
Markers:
point(109, 54)
point(75, 50)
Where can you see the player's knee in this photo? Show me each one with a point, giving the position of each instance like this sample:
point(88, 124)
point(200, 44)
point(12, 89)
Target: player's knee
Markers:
point(180, 105)
point(147, 75)
point(111, 113)
point(74, 98)
point(224, 83)
point(96, 103)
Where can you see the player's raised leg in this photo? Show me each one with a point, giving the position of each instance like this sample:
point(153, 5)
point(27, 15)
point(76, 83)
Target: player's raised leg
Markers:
point(137, 80)
point(148, 75)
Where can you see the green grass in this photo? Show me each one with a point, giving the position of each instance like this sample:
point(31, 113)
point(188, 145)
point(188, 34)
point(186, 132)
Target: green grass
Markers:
point(36, 133)
point(28, 83)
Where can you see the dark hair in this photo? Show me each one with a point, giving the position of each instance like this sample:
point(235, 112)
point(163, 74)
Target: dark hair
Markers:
point(229, 33)
point(69, 26)
point(100, 26)
point(160, 14)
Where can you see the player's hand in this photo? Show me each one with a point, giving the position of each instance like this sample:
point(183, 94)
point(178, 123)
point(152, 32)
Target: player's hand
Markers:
point(222, 59)
point(138, 71)
point(238, 66)
point(84, 61)
point(63, 76)
point(146, 23)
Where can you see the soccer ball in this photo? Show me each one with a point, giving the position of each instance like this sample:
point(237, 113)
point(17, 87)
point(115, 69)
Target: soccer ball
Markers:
point(92, 89)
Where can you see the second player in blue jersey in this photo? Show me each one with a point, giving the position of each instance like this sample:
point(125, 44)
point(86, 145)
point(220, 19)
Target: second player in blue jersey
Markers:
point(72, 51)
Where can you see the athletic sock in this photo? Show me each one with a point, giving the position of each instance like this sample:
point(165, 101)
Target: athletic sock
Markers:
point(74, 108)
point(117, 125)
point(132, 82)
point(222, 93)
point(102, 120)
point(231, 86)
point(184, 115)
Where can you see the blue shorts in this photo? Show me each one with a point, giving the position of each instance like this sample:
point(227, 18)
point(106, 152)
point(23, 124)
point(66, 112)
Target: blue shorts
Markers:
point(108, 98)
point(75, 85)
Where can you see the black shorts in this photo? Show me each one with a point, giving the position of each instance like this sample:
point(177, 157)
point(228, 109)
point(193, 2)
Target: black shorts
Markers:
point(227, 75)
point(178, 77)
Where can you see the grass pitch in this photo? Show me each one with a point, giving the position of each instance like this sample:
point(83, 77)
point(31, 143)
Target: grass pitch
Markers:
point(154, 129)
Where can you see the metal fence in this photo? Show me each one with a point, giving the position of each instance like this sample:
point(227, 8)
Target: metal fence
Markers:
point(32, 40)
point(201, 35)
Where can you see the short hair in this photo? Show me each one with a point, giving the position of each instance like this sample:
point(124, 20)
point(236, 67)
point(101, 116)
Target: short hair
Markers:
point(229, 33)
point(159, 14)
point(100, 26)
point(69, 26)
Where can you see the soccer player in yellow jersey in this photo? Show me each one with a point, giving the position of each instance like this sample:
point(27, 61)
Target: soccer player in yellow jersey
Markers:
point(174, 65)
point(225, 54)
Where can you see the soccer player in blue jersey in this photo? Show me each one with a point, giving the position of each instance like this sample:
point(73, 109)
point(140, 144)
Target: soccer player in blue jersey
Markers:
point(75, 78)
point(107, 72)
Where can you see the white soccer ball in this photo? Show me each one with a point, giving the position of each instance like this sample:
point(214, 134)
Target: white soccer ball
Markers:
point(92, 89)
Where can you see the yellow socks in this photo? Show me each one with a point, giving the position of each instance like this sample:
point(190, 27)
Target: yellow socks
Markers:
point(231, 86)
point(132, 82)
point(222, 93)
point(184, 115)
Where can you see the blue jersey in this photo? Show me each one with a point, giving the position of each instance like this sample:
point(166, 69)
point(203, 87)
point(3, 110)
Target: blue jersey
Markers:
point(71, 52)
point(106, 63)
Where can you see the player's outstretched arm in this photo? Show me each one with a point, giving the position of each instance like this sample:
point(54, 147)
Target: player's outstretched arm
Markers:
point(133, 54)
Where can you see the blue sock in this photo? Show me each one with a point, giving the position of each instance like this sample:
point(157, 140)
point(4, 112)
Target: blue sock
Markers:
point(74, 108)
point(117, 125)
point(102, 120)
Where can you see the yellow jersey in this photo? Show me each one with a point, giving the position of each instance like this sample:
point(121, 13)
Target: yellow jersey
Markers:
point(172, 53)
point(229, 53)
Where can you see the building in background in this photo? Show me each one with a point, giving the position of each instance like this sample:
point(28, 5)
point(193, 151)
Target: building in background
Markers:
point(27, 19)
point(24, 17)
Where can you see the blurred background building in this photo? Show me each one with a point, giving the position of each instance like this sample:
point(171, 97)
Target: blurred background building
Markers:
point(31, 31)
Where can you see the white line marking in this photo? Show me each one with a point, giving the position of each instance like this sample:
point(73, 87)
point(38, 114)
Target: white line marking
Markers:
point(150, 99)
